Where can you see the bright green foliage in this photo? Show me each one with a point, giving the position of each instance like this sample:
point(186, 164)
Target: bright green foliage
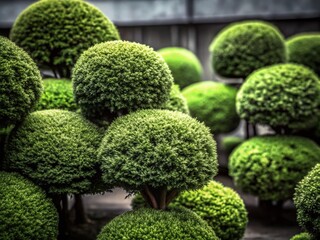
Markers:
point(184, 65)
point(302, 236)
point(243, 47)
point(305, 49)
point(177, 101)
point(284, 96)
point(150, 224)
point(230, 143)
point(214, 104)
point(118, 77)
point(25, 211)
point(271, 166)
point(56, 32)
point(20, 83)
point(56, 149)
point(58, 94)
point(306, 200)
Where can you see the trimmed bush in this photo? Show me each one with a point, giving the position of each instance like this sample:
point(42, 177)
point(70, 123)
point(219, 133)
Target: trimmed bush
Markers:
point(177, 101)
point(214, 104)
point(150, 224)
point(55, 32)
point(270, 166)
point(285, 97)
point(25, 211)
point(242, 47)
point(230, 143)
point(302, 236)
point(56, 149)
point(20, 83)
point(118, 77)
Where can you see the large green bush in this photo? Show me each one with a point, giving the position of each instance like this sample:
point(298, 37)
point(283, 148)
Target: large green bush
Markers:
point(25, 211)
point(271, 166)
point(243, 47)
point(150, 224)
point(302, 236)
point(56, 32)
point(214, 104)
point(20, 83)
point(177, 101)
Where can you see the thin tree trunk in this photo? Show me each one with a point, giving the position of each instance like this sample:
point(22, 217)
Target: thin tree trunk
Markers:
point(163, 198)
point(153, 200)
point(247, 129)
point(171, 195)
point(80, 215)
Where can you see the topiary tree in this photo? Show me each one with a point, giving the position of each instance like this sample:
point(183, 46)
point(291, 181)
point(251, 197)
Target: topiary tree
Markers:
point(177, 101)
point(214, 104)
point(25, 211)
point(302, 236)
point(55, 32)
point(242, 47)
point(150, 224)
point(184, 65)
point(158, 153)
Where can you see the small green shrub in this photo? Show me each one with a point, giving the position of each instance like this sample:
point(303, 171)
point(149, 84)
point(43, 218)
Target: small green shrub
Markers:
point(230, 143)
point(177, 101)
point(242, 47)
point(214, 104)
point(302, 236)
point(271, 166)
point(25, 211)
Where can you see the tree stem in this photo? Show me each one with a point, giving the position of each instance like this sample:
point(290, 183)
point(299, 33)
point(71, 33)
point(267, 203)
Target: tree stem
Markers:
point(171, 195)
point(162, 198)
point(153, 201)
point(80, 214)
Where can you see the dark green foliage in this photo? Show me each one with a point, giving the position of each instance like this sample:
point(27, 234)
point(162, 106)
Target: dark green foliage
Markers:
point(25, 211)
point(115, 78)
point(242, 47)
point(20, 83)
point(150, 224)
point(56, 32)
point(56, 149)
point(284, 96)
point(184, 65)
point(214, 104)
point(302, 236)
point(230, 143)
point(271, 166)
point(177, 101)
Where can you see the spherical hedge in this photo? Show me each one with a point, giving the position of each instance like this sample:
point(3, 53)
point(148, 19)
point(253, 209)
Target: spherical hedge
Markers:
point(177, 101)
point(150, 224)
point(20, 84)
point(118, 77)
point(55, 32)
point(214, 104)
point(306, 200)
point(56, 149)
point(243, 47)
point(184, 65)
point(271, 166)
point(284, 96)
point(302, 236)
point(25, 211)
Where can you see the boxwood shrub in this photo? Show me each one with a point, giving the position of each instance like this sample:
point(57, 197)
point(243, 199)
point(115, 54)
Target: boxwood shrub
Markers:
point(302, 236)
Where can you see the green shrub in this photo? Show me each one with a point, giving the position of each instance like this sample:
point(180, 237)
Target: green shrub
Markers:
point(56, 32)
point(285, 96)
point(150, 224)
point(243, 47)
point(20, 85)
point(301, 236)
point(177, 101)
point(230, 143)
point(56, 149)
point(119, 77)
point(214, 104)
point(307, 202)
point(271, 166)
point(25, 211)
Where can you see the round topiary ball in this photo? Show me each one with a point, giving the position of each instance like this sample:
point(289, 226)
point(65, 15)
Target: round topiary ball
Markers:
point(25, 211)
point(184, 65)
point(150, 224)
point(56, 32)
point(214, 104)
point(285, 97)
point(177, 101)
point(302, 236)
point(20, 83)
point(57, 150)
point(118, 77)
point(270, 166)
point(243, 47)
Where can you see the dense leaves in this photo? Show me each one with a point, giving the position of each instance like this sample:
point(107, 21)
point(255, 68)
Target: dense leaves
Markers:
point(177, 101)
point(302, 236)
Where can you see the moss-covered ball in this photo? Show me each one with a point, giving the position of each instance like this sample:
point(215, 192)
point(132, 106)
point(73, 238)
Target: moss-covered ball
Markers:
point(184, 65)
point(115, 78)
point(306, 200)
point(214, 104)
point(177, 101)
point(25, 211)
point(229, 143)
point(150, 224)
point(302, 236)
point(56, 149)
point(243, 47)
point(284, 96)
point(56, 32)
point(305, 49)
point(20, 83)
point(270, 166)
